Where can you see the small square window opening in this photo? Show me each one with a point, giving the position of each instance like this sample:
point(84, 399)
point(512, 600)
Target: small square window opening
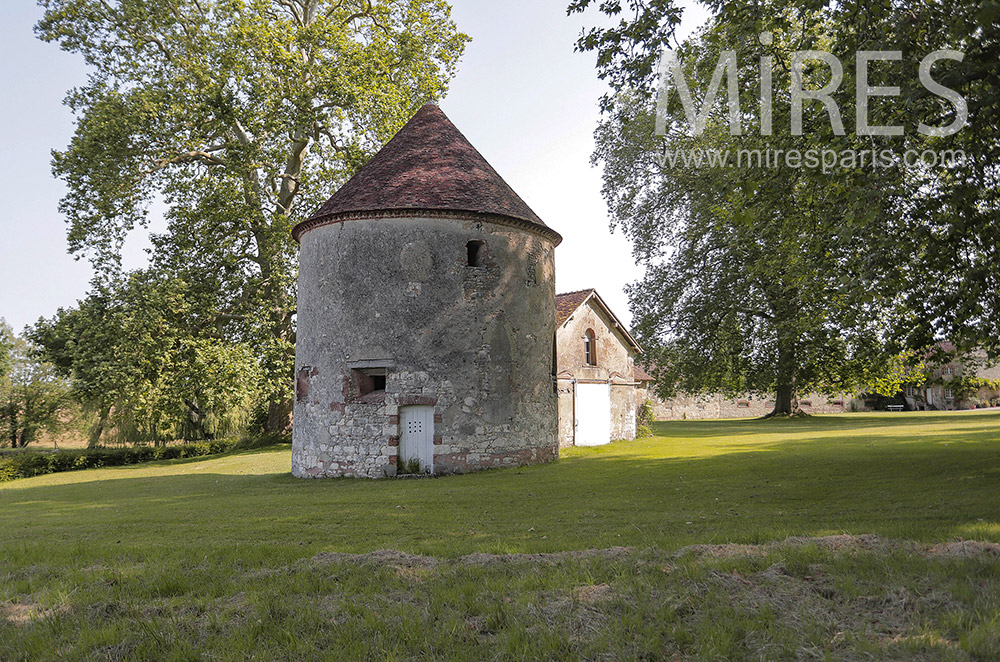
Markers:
point(474, 253)
point(370, 381)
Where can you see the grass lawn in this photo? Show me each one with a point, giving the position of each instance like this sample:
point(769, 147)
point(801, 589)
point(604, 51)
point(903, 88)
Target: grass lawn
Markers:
point(231, 557)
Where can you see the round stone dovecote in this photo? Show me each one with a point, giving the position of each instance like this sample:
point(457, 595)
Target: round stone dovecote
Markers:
point(426, 321)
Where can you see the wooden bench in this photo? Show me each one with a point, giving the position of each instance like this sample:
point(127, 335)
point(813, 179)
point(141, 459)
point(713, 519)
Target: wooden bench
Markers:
point(895, 407)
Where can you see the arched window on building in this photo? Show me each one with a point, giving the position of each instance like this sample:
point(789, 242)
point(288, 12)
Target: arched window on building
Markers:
point(590, 347)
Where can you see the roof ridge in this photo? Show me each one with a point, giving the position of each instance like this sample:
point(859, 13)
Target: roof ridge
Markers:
point(586, 289)
point(566, 306)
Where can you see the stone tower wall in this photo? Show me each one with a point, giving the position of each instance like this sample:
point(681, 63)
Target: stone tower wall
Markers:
point(476, 343)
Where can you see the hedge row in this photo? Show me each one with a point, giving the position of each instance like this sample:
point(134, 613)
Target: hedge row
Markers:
point(26, 464)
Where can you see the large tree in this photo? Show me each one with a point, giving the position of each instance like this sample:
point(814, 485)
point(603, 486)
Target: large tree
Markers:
point(946, 215)
point(241, 116)
point(950, 210)
point(763, 276)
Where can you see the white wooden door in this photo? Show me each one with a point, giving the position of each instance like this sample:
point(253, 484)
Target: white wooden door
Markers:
point(593, 414)
point(416, 436)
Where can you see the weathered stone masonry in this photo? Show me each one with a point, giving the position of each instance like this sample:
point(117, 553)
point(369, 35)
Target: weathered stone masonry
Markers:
point(453, 308)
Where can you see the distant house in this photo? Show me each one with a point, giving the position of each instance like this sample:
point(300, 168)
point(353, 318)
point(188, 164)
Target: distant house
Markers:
point(945, 388)
point(595, 372)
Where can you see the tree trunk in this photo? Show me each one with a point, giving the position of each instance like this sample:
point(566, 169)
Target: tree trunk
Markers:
point(13, 429)
point(279, 416)
point(95, 435)
point(197, 416)
point(279, 406)
point(786, 401)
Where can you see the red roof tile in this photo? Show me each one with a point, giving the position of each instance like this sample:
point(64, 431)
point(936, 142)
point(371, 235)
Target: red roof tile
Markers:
point(567, 303)
point(640, 375)
point(428, 166)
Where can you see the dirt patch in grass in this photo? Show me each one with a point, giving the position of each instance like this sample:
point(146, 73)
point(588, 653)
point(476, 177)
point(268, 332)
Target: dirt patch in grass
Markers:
point(850, 544)
point(394, 558)
point(21, 614)
point(840, 543)
point(553, 558)
point(382, 557)
point(965, 549)
point(580, 612)
point(588, 595)
point(839, 597)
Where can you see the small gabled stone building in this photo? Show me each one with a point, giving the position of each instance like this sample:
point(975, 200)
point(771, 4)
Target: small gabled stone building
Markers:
point(595, 358)
point(426, 317)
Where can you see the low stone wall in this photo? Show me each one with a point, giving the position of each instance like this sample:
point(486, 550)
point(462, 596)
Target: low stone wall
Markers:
point(466, 461)
point(718, 406)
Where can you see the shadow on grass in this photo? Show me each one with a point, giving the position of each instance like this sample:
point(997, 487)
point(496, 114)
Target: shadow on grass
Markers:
point(703, 428)
point(922, 490)
point(151, 464)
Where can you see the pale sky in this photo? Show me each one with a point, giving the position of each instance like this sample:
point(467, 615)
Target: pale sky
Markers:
point(521, 96)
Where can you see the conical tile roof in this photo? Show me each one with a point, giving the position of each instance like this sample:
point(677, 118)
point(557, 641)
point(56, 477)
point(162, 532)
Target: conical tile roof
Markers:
point(427, 166)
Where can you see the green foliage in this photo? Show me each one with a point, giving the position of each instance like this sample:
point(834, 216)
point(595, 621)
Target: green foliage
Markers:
point(242, 116)
point(902, 370)
point(948, 215)
point(6, 347)
point(939, 222)
point(140, 357)
point(758, 279)
point(411, 466)
point(966, 385)
point(644, 420)
point(34, 398)
point(649, 24)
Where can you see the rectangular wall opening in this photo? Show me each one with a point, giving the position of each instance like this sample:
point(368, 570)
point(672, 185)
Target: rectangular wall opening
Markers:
point(369, 383)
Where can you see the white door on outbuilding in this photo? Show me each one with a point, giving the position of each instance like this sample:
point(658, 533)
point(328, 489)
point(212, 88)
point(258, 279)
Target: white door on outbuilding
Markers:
point(416, 436)
point(593, 414)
